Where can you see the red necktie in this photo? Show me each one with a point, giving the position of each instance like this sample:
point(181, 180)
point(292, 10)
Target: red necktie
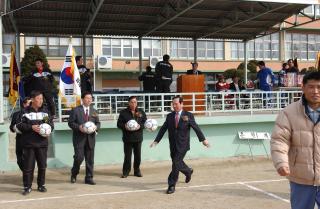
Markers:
point(177, 119)
point(87, 115)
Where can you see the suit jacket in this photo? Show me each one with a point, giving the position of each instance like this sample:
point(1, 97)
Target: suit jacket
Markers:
point(179, 138)
point(77, 118)
point(190, 72)
point(233, 87)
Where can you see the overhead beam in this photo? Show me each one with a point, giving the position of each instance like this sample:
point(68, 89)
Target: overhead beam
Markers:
point(93, 11)
point(242, 21)
point(173, 17)
point(11, 18)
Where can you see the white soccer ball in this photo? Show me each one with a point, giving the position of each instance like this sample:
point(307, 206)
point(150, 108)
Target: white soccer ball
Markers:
point(89, 127)
point(132, 125)
point(151, 124)
point(45, 130)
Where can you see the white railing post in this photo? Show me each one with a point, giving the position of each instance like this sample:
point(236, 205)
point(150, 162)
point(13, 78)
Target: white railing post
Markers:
point(60, 109)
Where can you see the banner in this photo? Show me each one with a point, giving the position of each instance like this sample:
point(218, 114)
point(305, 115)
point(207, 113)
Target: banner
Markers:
point(14, 78)
point(69, 85)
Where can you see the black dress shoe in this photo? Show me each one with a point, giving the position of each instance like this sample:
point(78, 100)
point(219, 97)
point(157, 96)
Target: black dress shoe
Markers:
point(188, 177)
point(73, 179)
point(138, 174)
point(26, 191)
point(42, 189)
point(90, 182)
point(124, 176)
point(171, 189)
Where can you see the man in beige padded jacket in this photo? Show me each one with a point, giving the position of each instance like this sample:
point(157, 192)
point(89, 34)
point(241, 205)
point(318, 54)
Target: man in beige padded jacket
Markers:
point(295, 145)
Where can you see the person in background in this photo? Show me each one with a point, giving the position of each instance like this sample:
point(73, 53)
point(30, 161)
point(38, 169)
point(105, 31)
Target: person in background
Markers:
point(16, 118)
point(194, 70)
point(265, 77)
point(291, 67)
point(148, 79)
point(164, 71)
point(282, 74)
point(236, 84)
point(132, 139)
point(221, 85)
point(85, 75)
point(41, 79)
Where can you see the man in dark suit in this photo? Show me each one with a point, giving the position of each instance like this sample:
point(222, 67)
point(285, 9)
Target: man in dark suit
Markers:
point(16, 118)
point(194, 70)
point(83, 142)
point(178, 124)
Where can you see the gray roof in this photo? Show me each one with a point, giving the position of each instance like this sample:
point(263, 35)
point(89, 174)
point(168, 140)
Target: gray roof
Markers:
point(228, 19)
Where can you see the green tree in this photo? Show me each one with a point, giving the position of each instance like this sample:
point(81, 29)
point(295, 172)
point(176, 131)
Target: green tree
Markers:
point(229, 73)
point(29, 59)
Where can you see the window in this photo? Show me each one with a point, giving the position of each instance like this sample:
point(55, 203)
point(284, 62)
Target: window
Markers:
point(302, 46)
point(8, 40)
point(58, 46)
point(237, 50)
point(129, 48)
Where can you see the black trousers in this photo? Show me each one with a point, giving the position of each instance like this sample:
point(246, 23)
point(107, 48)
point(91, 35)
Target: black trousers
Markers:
point(163, 86)
point(50, 102)
point(177, 165)
point(81, 153)
point(128, 147)
point(19, 152)
point(30, 156)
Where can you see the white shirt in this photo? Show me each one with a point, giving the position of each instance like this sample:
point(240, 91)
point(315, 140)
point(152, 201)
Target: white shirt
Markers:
point(179, 113)
point(86, 108)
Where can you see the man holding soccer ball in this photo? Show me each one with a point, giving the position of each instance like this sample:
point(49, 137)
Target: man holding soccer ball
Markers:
point(84, 122)
point(131, 121)
point(34, 143)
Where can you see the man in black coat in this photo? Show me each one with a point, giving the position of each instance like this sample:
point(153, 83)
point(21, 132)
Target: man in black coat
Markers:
point(164, 71)
point(148, 79)
point(16, 118)
point(35, 146)
point(85, 75)
point(41, 79)
point(132, 139)
point(178, 124)
point(83, 142)
point(194, 70)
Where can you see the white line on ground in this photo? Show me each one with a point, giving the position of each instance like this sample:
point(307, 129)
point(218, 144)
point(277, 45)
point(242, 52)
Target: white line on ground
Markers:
point(264, 192)
point(149, 190)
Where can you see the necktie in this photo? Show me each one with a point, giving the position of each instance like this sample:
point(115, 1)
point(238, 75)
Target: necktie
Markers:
point(177, 119)
point(87, 115)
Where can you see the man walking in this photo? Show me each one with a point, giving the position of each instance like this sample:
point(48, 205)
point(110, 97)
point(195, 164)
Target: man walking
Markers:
point(295, 145)
point(178, 124)
point(83, 142)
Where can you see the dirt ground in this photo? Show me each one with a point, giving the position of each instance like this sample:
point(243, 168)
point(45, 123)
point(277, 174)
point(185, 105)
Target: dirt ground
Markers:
point(239, 183)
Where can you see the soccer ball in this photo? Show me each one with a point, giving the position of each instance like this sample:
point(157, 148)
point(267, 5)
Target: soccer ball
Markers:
point(151, 125)
point(89, 127)
point(132, 125)
point(45, 130)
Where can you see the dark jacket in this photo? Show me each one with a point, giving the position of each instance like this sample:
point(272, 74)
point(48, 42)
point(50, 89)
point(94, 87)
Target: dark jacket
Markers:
point(179, 138)
point(292, 70)
point(149, 82)
point(41, 82)
point(86, 79)
point(163, 69)
point(32, 117)
point(190, 72)
point(124, 117)
point(77, 118)
point(232, 87)
point(16, 118)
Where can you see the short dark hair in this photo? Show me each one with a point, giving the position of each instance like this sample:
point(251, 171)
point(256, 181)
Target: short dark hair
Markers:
point(84, 94)
point(39, 59)
point(35, 93)
point(284, 65)
point(166, 57)
point(178, 97)
point(78, 58)
point(311, 76)
point(148, 68)
point(290, 60)
point(261, 63)
point(25, 100)
point(131, 98)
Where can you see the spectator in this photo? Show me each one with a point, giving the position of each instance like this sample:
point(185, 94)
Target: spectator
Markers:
point(291, 67)
point(221, 85)
point(282, 74)
point(85, 75)
point(265, 77)
point(148, 79)
point(194, 70)
point(236, 84)
point(164, 72)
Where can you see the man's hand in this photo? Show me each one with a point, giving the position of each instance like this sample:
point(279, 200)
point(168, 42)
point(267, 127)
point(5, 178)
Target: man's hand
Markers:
point(153, 144)
point(206, 143)
point(284, 171)
point(36, 128)
point(82, 129)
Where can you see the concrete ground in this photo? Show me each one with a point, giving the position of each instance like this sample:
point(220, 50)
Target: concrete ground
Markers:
point(239, 183)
